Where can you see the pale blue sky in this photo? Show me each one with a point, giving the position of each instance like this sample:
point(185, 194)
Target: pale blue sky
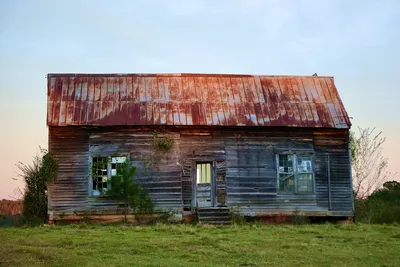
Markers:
point(357, 42)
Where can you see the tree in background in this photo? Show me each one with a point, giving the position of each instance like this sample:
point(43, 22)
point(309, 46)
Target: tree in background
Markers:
point(43, 170)
point(369, 166)
point(382, 206)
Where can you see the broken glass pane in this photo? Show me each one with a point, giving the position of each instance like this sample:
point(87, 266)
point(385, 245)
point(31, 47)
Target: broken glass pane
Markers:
point(304, 164)
point(286, 182)
point(99, 174)
point(117, 165)
point(285, 163)
point(118, 159)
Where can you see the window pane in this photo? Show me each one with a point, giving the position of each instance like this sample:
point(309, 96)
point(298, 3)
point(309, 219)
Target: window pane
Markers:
point(118, 159)
point(286, 182)
point(305, 183)
point(203, 173)
point(117, 164)
point(304, 164)
point(285, 163)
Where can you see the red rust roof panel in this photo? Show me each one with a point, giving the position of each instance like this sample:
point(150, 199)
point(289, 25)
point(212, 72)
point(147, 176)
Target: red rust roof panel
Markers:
point(194, 99)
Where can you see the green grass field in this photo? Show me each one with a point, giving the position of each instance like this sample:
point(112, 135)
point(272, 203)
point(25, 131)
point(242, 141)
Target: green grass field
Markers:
point(185, 245)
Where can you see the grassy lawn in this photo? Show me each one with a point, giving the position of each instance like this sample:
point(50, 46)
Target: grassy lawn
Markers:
point(185, 245)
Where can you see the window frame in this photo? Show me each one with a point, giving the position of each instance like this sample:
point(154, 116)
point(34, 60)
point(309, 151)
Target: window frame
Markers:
point(109, 172)
point(295, 172)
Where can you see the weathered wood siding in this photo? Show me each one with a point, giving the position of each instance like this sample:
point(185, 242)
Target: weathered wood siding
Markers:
point(252, 173)
point(158, 171)
point(246, 167)
point(71, 149)
point(341, 189)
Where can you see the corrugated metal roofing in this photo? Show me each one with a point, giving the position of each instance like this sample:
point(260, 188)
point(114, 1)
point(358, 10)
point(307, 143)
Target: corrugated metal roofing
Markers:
point(194, 99)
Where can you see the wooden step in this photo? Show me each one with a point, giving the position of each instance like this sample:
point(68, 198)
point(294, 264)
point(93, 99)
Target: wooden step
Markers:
point(214, 215)
point(213, 218)
point(217, 222)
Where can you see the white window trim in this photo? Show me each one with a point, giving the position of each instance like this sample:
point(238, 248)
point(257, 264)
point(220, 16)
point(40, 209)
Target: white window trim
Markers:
point(295, 173)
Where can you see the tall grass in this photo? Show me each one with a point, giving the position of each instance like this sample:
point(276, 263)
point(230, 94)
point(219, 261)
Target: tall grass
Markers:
point(202, 245)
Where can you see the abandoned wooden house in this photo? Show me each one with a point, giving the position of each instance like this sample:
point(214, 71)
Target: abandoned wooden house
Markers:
point(259, 145)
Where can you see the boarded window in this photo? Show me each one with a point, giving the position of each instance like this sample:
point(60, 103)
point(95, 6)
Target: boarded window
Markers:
point(203, 173)
point(103, 169)
point(295, 174)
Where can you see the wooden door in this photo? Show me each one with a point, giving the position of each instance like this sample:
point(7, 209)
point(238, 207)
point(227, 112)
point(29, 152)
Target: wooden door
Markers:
point(205, 184)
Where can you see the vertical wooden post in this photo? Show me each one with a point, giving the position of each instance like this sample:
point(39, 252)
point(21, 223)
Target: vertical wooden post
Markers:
point(351, 179)
point(329, 182)
point(213, 183)
point(194, 185)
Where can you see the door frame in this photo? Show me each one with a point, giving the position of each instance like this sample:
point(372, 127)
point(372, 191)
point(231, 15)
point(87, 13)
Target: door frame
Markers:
point(213, 190)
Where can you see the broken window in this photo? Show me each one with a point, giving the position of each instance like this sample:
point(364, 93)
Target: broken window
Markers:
point(103, 169)
point(295, 174)
point(203, 173)
point(99, 174)
point(305, 182)
point(117, 164)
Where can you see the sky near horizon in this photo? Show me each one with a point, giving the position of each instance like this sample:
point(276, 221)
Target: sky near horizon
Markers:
point(357, 42)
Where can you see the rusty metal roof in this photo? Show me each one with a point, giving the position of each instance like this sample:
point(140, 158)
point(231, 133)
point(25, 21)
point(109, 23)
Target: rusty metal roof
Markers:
point(194, 99)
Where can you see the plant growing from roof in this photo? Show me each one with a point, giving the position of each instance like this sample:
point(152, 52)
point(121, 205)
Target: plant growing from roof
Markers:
point(162, 143)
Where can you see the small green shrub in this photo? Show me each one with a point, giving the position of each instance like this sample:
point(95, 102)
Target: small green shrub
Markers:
point(298, 218)
point(86, 219)
point(236, 217)
point(43, 170)
point(132, 194)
